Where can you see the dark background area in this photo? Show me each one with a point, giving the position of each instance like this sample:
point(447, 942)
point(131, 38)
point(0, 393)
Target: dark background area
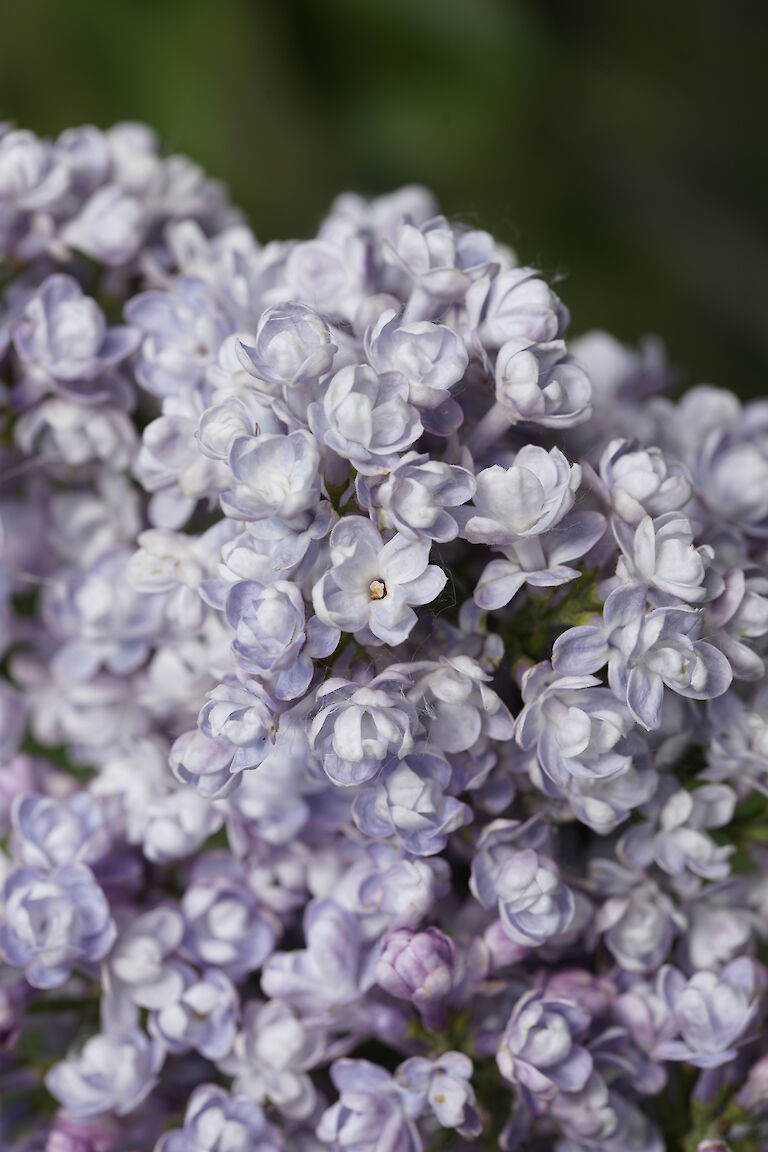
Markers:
point(620, 146)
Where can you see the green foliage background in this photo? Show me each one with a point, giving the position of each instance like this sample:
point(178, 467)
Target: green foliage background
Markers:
point(620, 146)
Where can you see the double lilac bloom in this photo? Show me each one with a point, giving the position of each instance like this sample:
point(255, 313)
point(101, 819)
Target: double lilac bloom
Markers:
point(273, 638)
point(358, 727)
point(509, 871)
point(540, 1049)
point(53, 921)
point(710, 1012)
point(411, 801)
point(645, 651)
point(383, 739)
point(216, 1120)
point(525, 512)
point(63, 342)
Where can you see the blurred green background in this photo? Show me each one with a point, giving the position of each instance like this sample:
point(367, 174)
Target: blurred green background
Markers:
point(620, 146)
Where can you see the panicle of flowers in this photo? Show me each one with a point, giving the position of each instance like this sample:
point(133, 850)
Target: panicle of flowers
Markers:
point(383, 719)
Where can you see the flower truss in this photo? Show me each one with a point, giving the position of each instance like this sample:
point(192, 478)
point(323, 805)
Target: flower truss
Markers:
point(384, 710)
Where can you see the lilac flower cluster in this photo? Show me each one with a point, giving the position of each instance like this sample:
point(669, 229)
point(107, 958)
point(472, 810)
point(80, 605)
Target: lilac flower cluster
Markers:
point(383, 720)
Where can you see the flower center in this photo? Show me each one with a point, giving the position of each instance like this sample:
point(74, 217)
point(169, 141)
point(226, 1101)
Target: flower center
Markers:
point(378, 589)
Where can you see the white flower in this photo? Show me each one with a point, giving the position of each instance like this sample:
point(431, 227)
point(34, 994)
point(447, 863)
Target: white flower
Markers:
point(272, 1056)
point(138, 968)
point(111, 1074)
point(371, 586)
point(415, 496)
point(661, 553)
point(640, 481)
point(527, 499)
point(542, 384)
point(366, 418)
point(431, 357)
point(274, 476)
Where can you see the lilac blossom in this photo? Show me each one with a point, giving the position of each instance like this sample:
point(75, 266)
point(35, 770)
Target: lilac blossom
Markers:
point(721, 922)
point(416, 496)
point(100, 619)
point(431, 357)
point(596, 1118)
point(638, 920)
point(205, 761)
point(724, 445)
point(386, 888)
point(536, 383)
point(645, 652)
point(456, 703)
point(110, 227)
point(63, 341)
point(516, 303)
point(176, 824)
point(444, 1087)
point(332, 970)
point(371, 1111)
point(366, 418)
point(216, 1120)
point(171, 466)
point(32, 176)
point(272, 638)
point(53, 921)
point(527, 499)
point(738, 748)
point(203, 1016)
point(169, 562)
point(181, 333)
point(333, 720)
point(52, 833)
point(410, 801)
point(638, 482)
point(357, 727)
point(113, 1073)
point(230, 417)
point(239, 718)
point(677, 838)
point(543, 562)
point(661, 554)
point(711, 1012)
point(274, 476)
point(576, 727)
point(604, 803)
point(140, 968)
point(225, 926)
point(441, 262)
point(327, 275)
point(372, 586)
point(540, 1049)
point(416, 966)
point(740, 615)
point(272, 1057)
point(74, 434)
point(292, 347)
point(507, 871)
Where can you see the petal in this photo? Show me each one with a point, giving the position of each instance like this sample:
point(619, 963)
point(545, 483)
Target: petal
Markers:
point(428, 586)
point(580, 651)
point(402, 560)
point(645, 695)
point(500, 581)
point(574, 537)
